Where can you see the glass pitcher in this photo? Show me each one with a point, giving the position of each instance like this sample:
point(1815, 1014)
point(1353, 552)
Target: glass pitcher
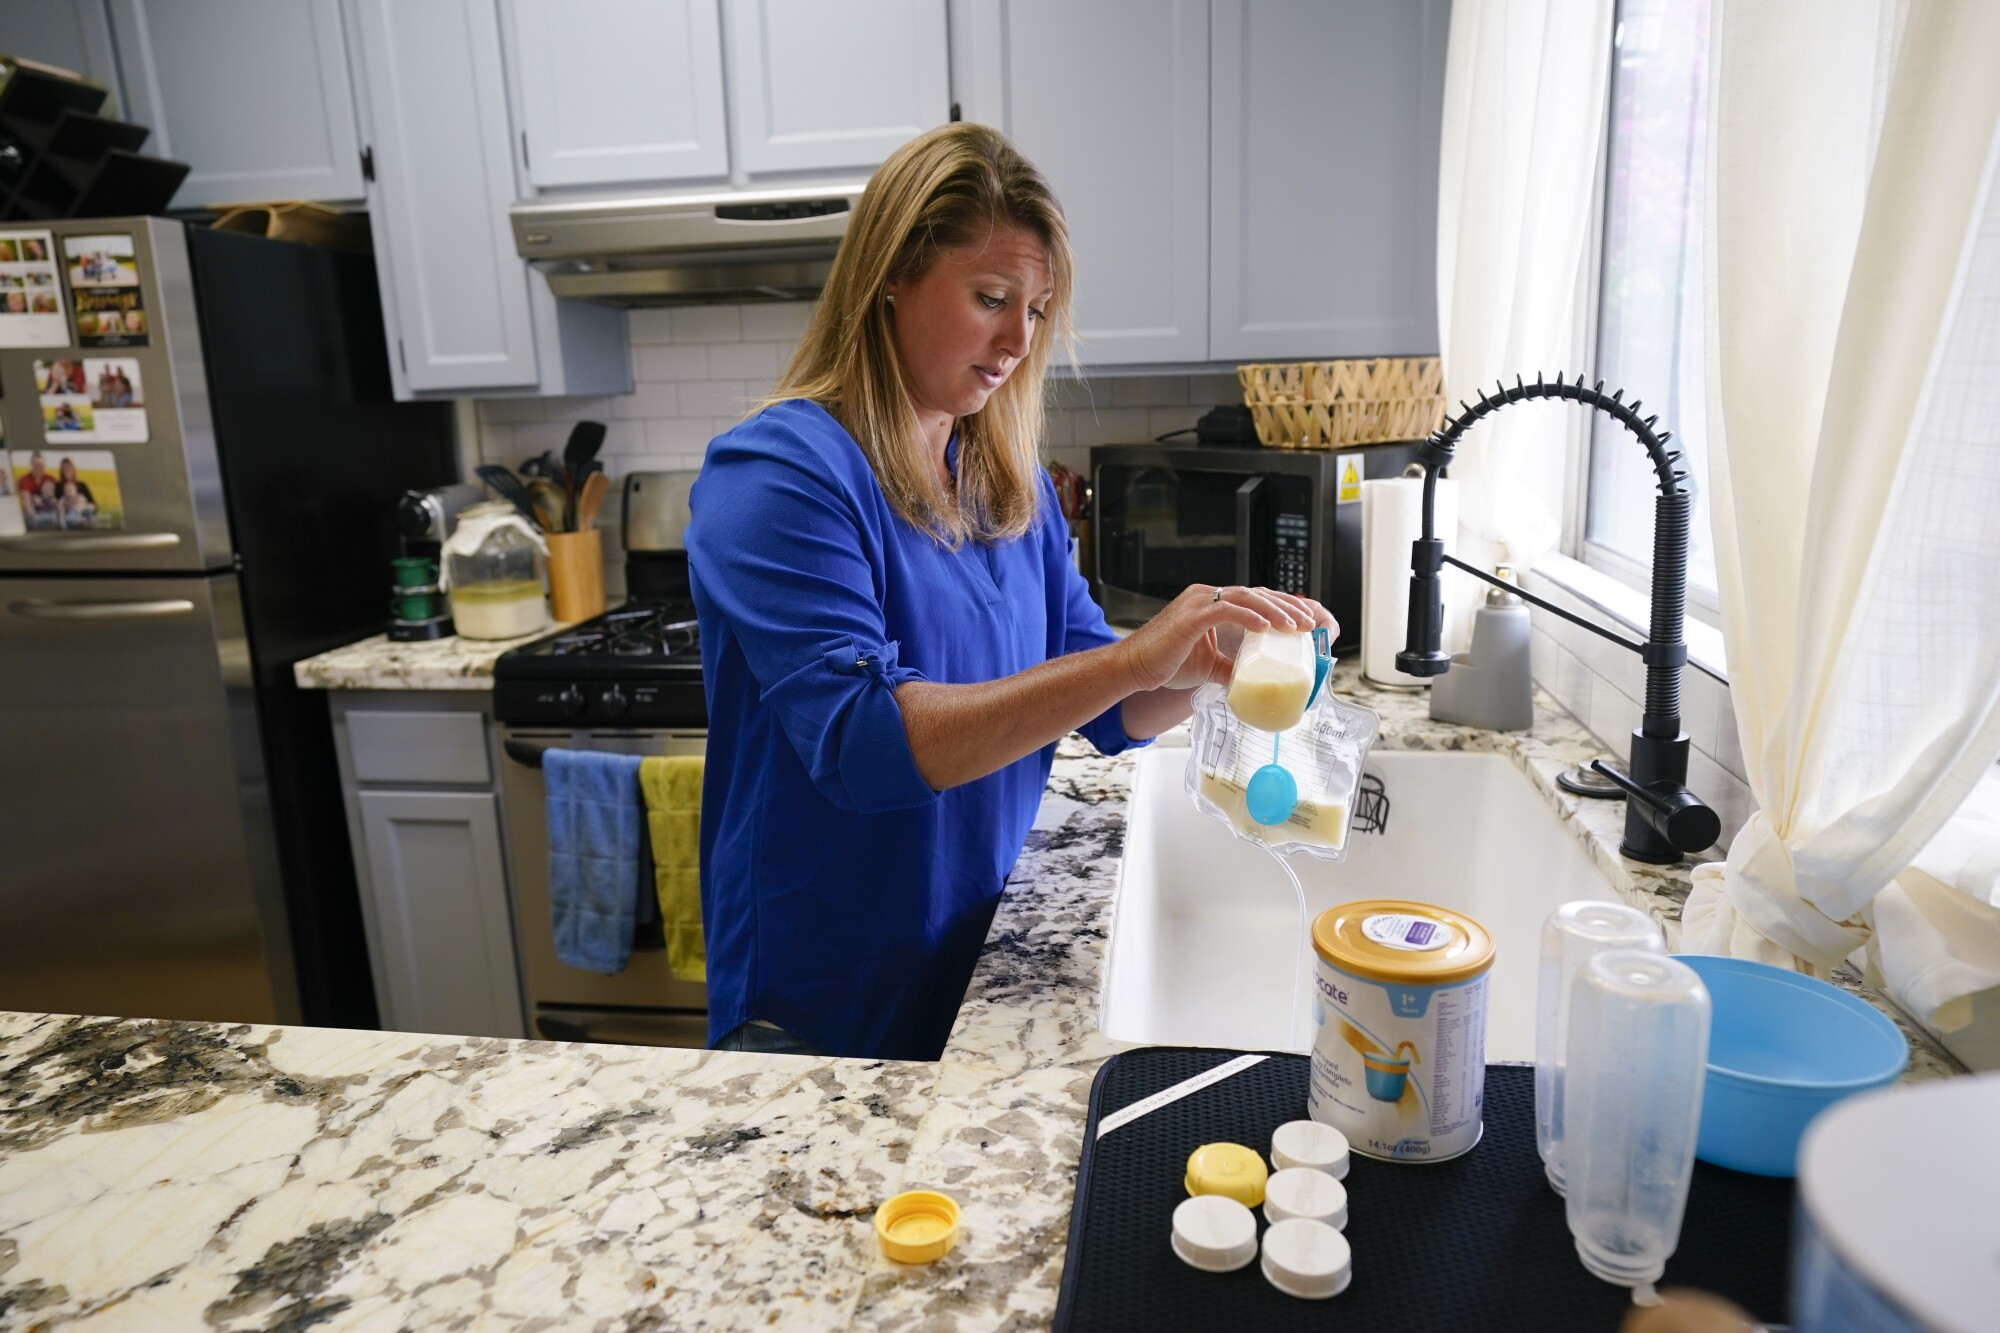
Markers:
point(495, 568)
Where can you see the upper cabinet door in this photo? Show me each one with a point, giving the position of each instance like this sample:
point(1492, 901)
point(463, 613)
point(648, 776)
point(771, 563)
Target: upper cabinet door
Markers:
point(618, 91)
point(69, 34)
point(1327, 119)
point(1110, 101)
point(456, 294)
point(834, 85)
point(255, 95)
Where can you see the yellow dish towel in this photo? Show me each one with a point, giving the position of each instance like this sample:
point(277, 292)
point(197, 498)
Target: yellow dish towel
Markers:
point(672, 788)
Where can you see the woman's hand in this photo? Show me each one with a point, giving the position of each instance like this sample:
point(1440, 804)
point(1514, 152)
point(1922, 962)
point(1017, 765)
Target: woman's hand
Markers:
point(1178, 648)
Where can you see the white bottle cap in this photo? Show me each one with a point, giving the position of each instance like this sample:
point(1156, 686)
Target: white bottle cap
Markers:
point(1299, 1191)
point(1307, 1259)
point(1214, 1233)
point(1310, 1144)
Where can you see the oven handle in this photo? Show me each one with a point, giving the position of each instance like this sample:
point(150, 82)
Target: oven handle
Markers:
point(522, 752)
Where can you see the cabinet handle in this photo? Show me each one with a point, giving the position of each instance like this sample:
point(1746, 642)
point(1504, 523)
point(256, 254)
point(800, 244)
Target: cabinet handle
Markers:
point(157, 609)
point(80, 544)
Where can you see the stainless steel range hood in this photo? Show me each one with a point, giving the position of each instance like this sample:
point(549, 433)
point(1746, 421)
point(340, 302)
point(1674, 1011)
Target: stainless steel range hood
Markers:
point(688, 249)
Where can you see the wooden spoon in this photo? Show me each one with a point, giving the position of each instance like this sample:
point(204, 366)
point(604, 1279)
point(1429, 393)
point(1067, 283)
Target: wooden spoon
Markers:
point(591, 500)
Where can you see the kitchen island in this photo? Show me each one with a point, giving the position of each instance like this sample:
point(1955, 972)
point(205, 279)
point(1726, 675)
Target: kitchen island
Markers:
point(179, 1175)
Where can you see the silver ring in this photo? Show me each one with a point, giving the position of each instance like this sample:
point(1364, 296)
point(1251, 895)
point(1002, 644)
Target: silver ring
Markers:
point(1218, 597)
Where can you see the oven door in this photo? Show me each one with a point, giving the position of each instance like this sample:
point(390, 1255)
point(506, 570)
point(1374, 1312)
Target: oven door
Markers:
point(643, 1005)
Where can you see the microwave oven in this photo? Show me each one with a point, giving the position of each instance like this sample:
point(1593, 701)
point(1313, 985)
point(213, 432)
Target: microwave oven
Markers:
point(1166, 516)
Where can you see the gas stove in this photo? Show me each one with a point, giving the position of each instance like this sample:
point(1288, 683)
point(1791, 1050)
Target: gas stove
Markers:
point(637, 666)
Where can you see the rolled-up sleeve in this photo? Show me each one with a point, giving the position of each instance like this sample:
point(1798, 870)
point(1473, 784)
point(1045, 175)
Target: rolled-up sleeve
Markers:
point(778, 555)
point(1083, 622)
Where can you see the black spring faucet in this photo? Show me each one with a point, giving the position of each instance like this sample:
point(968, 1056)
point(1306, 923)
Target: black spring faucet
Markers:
point(1663, 819)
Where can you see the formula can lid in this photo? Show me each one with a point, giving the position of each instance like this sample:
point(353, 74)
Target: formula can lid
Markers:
point(1307, 1259)
point(1402, 943)
point(1214, 1233)
point(1309, 1143)
point(1228, 1169)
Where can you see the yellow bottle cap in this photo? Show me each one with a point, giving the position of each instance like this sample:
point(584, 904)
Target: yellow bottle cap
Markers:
point(1228, 1169)
point(917, 1226)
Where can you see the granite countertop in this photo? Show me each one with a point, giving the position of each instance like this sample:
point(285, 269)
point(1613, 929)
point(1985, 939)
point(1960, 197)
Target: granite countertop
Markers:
point(381, 663)
point(157, 1174)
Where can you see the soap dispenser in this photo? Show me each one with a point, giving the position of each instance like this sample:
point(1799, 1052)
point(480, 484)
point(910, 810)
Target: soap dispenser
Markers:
point(1492, 686)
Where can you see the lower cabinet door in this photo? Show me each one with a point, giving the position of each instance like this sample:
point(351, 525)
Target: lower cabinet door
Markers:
point(437, 906)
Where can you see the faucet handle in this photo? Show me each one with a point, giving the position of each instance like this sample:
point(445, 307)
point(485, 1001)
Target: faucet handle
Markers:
point(1672, 811)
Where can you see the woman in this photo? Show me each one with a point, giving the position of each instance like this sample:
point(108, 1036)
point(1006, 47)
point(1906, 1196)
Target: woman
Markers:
point(893, 637)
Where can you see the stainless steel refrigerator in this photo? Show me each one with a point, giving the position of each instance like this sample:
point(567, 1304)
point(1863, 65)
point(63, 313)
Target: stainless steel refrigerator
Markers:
point(203, 460)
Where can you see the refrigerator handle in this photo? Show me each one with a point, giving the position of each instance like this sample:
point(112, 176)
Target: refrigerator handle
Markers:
point(159, 608)
point(91, 544)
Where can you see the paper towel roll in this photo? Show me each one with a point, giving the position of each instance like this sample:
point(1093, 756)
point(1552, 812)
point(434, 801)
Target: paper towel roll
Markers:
point(1392, 516)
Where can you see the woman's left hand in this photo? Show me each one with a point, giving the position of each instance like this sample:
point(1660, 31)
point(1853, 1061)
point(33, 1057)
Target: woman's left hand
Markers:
point(1206, 657)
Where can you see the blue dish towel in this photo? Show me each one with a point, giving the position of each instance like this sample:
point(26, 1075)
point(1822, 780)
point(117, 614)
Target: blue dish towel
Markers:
point(596, 826)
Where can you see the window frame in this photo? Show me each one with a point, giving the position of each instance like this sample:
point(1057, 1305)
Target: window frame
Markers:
point(1702, 605)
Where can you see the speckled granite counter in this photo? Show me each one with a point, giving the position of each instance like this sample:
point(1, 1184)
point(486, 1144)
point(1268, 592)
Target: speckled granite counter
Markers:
point(380, 663)
point(185, 1175)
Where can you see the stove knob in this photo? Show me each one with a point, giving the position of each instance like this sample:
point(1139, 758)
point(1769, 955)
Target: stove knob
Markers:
point(572, 701)
point(615, 703)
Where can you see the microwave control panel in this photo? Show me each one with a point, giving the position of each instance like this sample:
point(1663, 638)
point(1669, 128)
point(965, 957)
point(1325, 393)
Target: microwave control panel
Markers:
point(1291, 553)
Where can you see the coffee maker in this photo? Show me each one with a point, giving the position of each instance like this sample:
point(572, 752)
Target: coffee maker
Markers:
point(424, 519)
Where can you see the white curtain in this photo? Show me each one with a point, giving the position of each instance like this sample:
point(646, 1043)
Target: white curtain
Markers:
point(1523, 132)
point(1853, 307)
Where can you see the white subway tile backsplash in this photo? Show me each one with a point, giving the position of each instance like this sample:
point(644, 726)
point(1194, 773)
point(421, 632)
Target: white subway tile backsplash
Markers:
point(1572, 684)
point(717, 398)
point(648, 399)
point(679, 435)
point(655, 324)
point(781, 321)
point(592, 408)
point(1725, 794)
point(1214, 390)
point(1701, 696)
point(708, 324)
point(1110, 425)
point(670, 363)
point(1161, 420)
point(1541, 653)
point(1614, 715)
point(745, 361)
point(1728, 744)
point(1149, 391)
point(497, 411)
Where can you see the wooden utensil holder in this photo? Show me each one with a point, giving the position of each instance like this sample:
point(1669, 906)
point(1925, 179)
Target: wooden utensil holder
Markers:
point(576, 574)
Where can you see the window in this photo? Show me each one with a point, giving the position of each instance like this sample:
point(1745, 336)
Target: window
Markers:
point(1649, 316)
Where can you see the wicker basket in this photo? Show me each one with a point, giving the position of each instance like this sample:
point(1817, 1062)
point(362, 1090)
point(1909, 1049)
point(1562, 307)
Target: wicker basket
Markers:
point(1333, 404)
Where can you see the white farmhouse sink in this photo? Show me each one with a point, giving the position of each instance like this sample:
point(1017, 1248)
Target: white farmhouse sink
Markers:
point(1205, 930)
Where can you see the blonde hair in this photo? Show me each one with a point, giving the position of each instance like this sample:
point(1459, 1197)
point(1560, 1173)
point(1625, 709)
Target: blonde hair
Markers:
point(947, 189)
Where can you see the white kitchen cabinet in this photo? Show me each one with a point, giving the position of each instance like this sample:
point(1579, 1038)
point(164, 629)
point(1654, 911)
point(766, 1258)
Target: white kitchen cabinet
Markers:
point(255, 95)
point(423, 812)
point(1324, 184)
point(69, 34)
point(447, 945)
point(1111, 101)
point(833, 85)
point(619, 91)
point(464, 311)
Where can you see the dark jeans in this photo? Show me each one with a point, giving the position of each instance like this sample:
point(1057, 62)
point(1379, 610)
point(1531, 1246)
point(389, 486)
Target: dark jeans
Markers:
point(766, 1041)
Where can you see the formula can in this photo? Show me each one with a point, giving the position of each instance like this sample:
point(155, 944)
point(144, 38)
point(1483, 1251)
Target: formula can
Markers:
point(1399, 1042)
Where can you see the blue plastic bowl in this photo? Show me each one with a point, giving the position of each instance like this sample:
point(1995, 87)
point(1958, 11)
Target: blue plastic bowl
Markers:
point(1782, 1047)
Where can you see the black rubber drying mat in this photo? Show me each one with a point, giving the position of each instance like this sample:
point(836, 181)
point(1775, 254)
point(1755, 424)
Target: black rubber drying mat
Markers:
point(1478, 1242)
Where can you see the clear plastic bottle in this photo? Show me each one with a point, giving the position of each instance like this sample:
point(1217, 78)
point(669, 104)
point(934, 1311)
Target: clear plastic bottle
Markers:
point(1573, 934)
point(1637, 1057)
point(1272, 679)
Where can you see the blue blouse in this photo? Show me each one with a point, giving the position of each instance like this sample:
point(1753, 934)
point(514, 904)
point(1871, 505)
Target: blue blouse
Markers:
point(841, 897)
